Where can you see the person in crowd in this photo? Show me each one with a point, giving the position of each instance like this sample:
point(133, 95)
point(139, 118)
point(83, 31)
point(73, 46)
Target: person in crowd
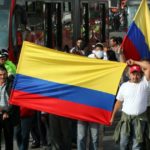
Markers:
point(35, 131)
point(119, 40)
point(103, 52)
point(87, 50)
point(66, 49)
point(109, 54)
point(44, 130)
point(22, 130)
point(133, 97)
point(82, 133)
point(78, 49)
point(97, 52)
point(6, 110)
point(9, 65)
point(82, 126)
point(40, 38)
point(30, 35)
point(40, 130)
point(60, 132)
point(114, 45)
point(145, 65)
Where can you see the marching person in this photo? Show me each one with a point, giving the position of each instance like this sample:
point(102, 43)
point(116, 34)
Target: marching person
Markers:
point(133, 97)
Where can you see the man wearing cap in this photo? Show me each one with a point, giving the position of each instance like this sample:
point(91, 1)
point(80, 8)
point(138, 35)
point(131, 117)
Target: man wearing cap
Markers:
point(133, 97)
point(78, 49)
point(145, 65)
point(10, 67)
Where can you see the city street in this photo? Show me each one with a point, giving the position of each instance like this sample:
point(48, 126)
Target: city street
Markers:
point(107, 144)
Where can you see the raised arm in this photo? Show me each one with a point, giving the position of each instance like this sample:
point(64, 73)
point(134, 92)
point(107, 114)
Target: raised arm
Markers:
point(121, 55)
point(144, 64)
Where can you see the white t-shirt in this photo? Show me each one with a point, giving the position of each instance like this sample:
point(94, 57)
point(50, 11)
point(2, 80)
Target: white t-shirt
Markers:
point(134, 97)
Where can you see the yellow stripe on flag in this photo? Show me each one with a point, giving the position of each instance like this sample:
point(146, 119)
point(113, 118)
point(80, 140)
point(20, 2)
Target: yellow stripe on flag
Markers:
point(52, 65)
point(142, 20)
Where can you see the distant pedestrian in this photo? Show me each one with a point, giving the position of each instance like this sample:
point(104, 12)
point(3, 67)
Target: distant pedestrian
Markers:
point(78, 48)
point(97, 52)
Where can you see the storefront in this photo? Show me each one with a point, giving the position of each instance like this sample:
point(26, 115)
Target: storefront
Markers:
point(63, 21)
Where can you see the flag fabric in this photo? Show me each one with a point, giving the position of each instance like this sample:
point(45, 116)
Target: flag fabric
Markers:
point(65, 84)
point(136, 44)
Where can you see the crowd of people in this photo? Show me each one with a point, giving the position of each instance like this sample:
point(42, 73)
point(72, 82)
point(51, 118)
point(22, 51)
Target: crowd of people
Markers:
point(51, 132)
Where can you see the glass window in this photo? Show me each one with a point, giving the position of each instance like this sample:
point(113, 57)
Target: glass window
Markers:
point(67, 25)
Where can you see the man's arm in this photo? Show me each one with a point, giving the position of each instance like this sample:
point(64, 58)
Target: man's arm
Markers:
point(118, 105)
point(144, 64)
point(121, 55)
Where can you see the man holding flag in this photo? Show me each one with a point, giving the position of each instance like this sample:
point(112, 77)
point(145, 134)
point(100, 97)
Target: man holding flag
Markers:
point(136, 45)
point(133, 97)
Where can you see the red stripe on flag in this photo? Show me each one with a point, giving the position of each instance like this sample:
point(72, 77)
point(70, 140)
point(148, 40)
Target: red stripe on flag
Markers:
point(129, 49)
point(61, 107)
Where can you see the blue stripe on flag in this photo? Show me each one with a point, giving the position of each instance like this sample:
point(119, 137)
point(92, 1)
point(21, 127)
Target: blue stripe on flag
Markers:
point(138, 39)
point(66, 92)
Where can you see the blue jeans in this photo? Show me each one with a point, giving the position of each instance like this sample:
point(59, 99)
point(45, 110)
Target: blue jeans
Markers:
point(22, 132)
point(82, 134)
point(127, 141)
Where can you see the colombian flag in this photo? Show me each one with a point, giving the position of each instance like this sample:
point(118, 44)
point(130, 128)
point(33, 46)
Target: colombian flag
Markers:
point(136, 43)
point(67, 85)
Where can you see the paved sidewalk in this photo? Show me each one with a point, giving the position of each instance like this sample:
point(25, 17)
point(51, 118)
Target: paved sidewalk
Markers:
point(107, 144)
point(106, 141)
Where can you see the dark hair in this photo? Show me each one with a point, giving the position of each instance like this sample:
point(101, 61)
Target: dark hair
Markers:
point(111, 55)
point(146, 59)
point(99, 45)
point(119, 40)
point(66, 49)
point(114, 39)
point(79, 38)
point(2, 68)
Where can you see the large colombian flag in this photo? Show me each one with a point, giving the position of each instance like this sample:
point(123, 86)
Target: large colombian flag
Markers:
point(67, 85)
point(136, 43)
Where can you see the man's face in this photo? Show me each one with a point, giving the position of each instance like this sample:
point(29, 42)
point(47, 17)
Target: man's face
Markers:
point(135, 77)
point(3, 76)
point(112, 43)
point(79, 43)
point(2, 60)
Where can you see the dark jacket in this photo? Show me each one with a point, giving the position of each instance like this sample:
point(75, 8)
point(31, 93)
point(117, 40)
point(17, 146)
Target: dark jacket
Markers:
point(12, 110)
